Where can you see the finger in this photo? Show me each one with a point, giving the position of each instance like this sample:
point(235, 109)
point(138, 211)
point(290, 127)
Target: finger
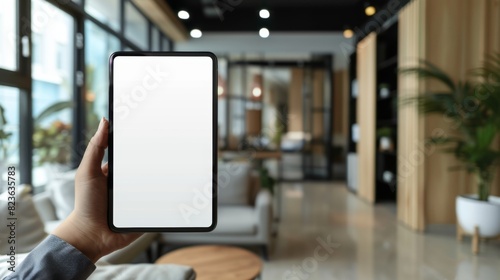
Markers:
point(91, 162)
point(105, 169)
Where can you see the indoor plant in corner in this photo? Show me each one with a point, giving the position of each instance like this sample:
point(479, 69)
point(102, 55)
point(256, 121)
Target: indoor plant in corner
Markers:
point(52, 141)
point(473, 107)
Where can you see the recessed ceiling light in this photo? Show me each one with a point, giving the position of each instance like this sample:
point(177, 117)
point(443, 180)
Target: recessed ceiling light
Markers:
point(264, 32)
point(183, 14)
point(348, 33)
point(370, 10)
point(195, 33)
point(264, 13)
point(256, 91)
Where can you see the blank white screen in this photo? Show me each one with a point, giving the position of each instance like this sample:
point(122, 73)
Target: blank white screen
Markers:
point(162, 146)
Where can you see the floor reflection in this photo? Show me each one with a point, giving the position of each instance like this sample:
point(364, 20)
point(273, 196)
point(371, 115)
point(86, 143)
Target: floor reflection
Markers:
point(366, 242)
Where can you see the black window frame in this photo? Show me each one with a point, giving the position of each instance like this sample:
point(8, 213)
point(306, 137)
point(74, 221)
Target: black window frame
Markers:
point(22, 79)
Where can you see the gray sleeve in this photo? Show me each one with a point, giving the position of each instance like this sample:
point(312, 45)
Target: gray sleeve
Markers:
point(54, 259)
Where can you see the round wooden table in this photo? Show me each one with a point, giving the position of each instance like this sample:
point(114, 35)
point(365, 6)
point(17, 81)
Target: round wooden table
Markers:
point(216, 262)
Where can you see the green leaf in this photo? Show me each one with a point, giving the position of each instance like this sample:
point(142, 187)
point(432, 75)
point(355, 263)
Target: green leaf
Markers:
point(485, 135)
point(428, 70)
point(473, 107)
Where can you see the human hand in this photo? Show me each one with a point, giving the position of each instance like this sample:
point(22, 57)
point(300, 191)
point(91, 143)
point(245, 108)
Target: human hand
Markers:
point(86, 228)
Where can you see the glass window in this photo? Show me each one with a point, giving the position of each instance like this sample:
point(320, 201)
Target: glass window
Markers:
point(99, 45)
point(237, 123)
point(222, 119)
point(9, 131)
point(136, 26)
point(155, 39)
point(165, 44)
point(53, 87)
point(107, 12)
point(8, 33)
point(36, 55)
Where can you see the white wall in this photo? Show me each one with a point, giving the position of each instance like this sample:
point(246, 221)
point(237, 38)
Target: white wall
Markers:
point(279, 45)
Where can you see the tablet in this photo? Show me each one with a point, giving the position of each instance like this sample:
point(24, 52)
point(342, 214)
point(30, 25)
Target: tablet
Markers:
point(162, 141)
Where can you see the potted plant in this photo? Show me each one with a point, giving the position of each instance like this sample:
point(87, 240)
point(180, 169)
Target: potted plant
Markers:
point(52, 143)
point(266, 181)
point(473, 107)
point(385, 135)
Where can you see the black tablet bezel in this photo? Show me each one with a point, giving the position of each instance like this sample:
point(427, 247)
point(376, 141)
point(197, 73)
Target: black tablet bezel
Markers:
point(214, 146)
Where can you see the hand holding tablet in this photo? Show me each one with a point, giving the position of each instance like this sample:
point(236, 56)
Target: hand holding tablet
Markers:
point(162, 141)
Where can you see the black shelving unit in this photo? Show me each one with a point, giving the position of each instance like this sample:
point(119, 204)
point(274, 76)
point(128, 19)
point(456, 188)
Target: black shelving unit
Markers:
point(352, 172)
point(387, 113)
point(351, 144)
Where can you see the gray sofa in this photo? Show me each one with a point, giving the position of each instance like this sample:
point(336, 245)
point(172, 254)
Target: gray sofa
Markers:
point(244, 214)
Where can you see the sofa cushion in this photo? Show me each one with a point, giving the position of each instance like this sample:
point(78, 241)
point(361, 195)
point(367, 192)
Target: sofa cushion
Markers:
point(233, 183)
point(236, 220)
point(28, 226)
point(143, 271)
point(62, 193)
point(131, 251)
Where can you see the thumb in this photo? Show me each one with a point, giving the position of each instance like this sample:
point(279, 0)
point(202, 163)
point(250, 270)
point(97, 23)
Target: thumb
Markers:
point(91, 162)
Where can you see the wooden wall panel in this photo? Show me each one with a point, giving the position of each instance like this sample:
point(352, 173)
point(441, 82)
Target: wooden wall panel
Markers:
point(411, 148)
point(295, 100)
point(159, 12)
point(492, 44)
point(366, 114)
point(445, 47)
point(340, 103)
point(456, 41)
point(318, 102)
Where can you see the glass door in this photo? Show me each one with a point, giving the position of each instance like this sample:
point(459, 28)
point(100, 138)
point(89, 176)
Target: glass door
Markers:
point(317, 119)
point(53, 70)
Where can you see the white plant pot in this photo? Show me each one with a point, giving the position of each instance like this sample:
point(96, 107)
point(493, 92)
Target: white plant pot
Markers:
point(485, 215)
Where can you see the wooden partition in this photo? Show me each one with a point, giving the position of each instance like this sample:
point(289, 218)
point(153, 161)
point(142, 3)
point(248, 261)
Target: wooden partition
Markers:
point(411, 142)
point(295, 99)
point(318, 83)
point(366, 114)
point(340, 103)
point(455, 35)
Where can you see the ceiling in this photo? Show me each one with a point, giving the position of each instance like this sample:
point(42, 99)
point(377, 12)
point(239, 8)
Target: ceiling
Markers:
point(286, 15)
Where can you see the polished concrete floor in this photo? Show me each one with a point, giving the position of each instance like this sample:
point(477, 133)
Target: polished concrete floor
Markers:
point(325, 232)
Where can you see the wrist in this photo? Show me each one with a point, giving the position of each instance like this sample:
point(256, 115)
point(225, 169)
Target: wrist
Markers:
point(76, 235)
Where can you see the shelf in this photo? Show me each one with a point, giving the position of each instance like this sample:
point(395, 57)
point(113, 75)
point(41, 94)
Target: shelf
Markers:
point(389, 122)
point(316, 141)
point(387, 153)
point(392, 61)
